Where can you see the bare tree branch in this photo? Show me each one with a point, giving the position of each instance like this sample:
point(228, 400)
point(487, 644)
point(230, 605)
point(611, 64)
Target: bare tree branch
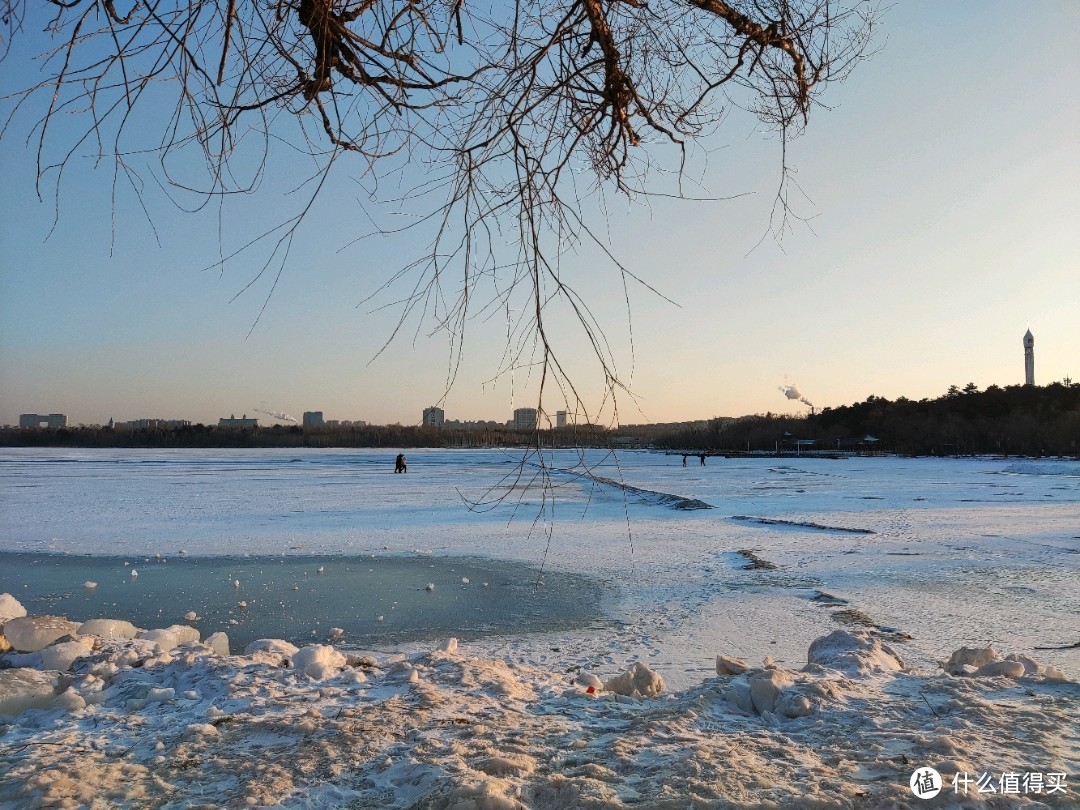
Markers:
point(498, 123)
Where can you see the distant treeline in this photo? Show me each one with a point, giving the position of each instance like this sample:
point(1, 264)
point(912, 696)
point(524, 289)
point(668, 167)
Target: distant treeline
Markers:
point(208, 436)
point(1024, 420)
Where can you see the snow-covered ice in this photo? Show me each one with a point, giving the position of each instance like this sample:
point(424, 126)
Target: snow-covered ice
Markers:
point(826, 628)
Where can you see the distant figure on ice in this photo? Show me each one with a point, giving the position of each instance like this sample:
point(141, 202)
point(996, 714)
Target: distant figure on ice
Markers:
point(702, 459)
point(684, 459)
point(399, 464)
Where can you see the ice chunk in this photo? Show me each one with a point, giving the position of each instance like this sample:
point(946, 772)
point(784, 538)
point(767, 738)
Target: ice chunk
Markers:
point(275, 645)
point(738, 693)
point(10, 607)
point(164, 639)
point(24, 689)
point(587, 679)
point(71, 700)
point(61, 656)
point(1031, 667)
point(318, 661)
point(161, 694)
point(791, 704)
point(169, 637)
point(32, 633)
point(765, 687)
point(108, 628)
point(218, 642)
point(994, 669)
point(449, 646)
point(184, 634)
point(729, 666)
point(638, 681)
point(854, 653)
point(272, 651)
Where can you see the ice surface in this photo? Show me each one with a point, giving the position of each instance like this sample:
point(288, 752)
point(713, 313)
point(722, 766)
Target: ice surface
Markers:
point(893, 542)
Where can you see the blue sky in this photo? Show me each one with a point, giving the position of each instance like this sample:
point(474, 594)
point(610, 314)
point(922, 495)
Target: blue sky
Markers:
point(943, 194)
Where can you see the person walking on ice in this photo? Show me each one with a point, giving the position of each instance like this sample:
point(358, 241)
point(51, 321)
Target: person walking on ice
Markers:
point(400, 465)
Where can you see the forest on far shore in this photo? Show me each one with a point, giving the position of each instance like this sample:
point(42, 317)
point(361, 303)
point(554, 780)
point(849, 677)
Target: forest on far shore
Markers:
point(1026, 420)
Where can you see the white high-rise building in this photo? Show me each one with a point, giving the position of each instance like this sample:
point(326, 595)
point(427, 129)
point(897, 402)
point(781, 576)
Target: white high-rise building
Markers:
point(560, 419)
point(1029, 358)
point(434, 417)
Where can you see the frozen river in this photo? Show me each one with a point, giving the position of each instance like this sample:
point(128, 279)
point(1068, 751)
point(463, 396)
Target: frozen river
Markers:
point(937, 553)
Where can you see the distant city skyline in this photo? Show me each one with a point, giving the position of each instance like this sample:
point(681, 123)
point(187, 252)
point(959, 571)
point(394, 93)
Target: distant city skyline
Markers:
point(433, 416)
point(942, 192)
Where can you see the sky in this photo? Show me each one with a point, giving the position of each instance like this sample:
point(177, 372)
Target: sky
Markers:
point(940, 185)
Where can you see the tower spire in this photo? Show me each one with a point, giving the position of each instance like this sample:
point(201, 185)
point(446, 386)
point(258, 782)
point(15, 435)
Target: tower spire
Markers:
point(1029, 358)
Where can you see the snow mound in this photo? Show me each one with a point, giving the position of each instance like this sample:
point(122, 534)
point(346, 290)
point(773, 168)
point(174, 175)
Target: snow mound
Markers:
point(33, 633)
point(646, 496)
point(318, 661)
point(1060, 467)
point(984, 662)
point(855, 653)
point(637, 681)
point(970, 657)
point(770, 691)
point(439, 731)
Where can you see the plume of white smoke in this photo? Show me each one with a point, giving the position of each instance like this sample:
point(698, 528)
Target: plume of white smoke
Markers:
point(284, 417)
point(791, 392)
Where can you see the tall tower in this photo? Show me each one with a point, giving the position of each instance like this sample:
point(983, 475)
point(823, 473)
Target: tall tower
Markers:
point(1029, 358)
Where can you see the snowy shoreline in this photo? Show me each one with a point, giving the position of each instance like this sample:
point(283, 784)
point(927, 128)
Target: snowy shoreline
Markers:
point(95, 719)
